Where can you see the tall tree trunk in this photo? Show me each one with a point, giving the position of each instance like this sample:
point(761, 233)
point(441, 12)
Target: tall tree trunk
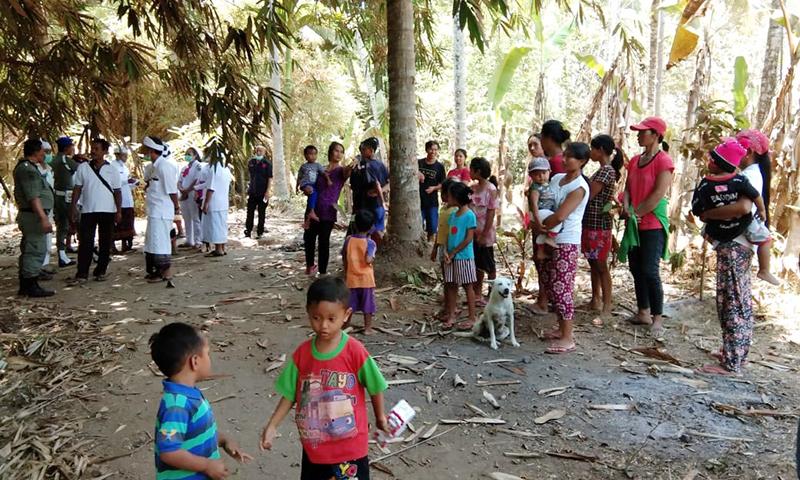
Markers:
point(772, 65)
point(281, 190)
point(405, 224)
point(654, 39)
point(460, 85)
point(660, 70)
point(369, 84)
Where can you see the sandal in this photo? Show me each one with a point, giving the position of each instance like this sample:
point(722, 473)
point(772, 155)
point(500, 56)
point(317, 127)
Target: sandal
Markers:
point(556, 350)
point(214, 254)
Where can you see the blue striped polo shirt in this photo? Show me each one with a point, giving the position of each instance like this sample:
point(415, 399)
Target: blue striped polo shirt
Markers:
point(185, 422)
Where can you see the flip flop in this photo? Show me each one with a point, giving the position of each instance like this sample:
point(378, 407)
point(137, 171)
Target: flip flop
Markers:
point(555, 350)
point(214, 254)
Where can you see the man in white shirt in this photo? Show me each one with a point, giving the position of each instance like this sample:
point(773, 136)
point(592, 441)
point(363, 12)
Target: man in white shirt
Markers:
point(215, 205)
point(162, 206)
point(190, 174)
point(97, 187)
point(125, 229)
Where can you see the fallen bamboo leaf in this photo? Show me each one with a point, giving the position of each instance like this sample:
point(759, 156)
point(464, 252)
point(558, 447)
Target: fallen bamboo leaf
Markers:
point(429, 394)
point(226, 397)
point(551, 415)
point(401, 381)
point(428, 433)
point(552, 392)
point(573, 456)
point(458, 381)
point(519, 433)
point(612, 407)
point(497, 383)
point(261, 344)
point(718, 437)
point(733, 410)
point(477, 410)
point(522, 454)
point(120, 428)
point(490, 398)
point(402, 359)
point(502, 476)
point(694, 383)
point(276, 364)
point(474, 420)
point(381, 467)
point(500, 360)
point(657, 353)
point(389, 331)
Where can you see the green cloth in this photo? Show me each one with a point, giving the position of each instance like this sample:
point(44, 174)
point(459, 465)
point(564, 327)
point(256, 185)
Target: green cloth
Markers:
point(630, 238)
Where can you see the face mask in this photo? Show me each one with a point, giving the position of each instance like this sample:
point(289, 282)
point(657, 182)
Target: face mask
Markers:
point(48, 158)
point(259, 157)
point(188, 157)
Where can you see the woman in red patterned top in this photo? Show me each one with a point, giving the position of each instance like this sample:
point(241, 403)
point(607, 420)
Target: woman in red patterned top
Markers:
point(597, 221)
point(461, 172)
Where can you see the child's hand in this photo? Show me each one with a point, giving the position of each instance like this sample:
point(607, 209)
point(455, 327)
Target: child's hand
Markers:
point(267, 437)
point(216, 470)
point(447, 258)
point(232, 449)
point(382, 424)
point(761, 214)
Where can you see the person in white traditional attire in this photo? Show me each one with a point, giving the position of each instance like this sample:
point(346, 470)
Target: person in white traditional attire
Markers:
point(162, 206)
point(190, 174)
point(47, 173)
point(125, 230)
point(215, 205)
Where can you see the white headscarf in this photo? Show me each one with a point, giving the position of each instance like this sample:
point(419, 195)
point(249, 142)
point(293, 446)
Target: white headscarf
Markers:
point(158, 147)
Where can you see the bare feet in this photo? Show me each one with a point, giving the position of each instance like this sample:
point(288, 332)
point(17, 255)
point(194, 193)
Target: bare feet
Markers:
point(657, 330)
point(554, 334)
point(608, 308)
point(768, 277)
point(591, 306)
point(641, 319)
point(539, 310)
point(369, 331)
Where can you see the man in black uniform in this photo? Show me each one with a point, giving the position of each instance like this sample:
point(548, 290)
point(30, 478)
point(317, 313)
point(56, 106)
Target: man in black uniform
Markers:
point(260, 168)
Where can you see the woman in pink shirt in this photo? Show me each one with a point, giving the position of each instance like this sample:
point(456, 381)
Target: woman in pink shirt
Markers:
point(461, 172)
point(649, 178)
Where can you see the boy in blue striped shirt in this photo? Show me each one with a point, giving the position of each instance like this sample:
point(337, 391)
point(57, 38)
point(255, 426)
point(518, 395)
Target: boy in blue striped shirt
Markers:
point(187, 441)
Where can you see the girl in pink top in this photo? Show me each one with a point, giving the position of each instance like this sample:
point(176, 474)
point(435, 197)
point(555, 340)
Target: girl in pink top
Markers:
point(461, 172)
point(649, 178)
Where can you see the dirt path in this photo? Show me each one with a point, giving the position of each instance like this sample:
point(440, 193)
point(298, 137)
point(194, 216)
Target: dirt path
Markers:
point(251, 304)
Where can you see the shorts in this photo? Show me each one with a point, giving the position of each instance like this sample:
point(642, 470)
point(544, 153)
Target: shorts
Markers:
point(350, 470)
point(757, 232)
point(430, 219)
point(484, 258)
point(460, 272)
point(363, 300)
point(380, 219)
point(596, 244)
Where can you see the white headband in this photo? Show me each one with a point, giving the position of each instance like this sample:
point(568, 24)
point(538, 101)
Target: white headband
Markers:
point(46, 145)
point(152, 145)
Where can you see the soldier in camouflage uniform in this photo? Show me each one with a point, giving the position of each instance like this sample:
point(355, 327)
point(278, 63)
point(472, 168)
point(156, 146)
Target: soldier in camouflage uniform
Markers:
point(34, 199)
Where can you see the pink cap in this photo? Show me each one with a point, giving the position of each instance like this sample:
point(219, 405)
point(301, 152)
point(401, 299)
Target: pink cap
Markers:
point(728, 155)
point(651, 123)
point(753, 140)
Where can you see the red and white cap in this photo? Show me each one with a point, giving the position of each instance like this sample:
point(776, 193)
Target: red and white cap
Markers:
point(651, 123)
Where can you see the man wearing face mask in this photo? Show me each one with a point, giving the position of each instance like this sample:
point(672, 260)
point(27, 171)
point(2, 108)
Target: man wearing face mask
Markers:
point(34, 199)
point(64, 168)
point(47, 173)
point(260, 168)
point(190, 174)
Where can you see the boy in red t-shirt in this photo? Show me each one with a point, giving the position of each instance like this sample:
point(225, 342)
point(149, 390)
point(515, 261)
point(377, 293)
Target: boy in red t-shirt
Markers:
point(326, 377)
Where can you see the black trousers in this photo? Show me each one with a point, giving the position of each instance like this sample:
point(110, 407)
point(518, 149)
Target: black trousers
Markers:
point(103, 223)
point(321, 230)
point(644, 263)
point(255, 202)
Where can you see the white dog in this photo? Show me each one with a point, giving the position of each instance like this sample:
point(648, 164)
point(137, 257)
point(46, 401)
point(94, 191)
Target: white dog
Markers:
point(498, 314)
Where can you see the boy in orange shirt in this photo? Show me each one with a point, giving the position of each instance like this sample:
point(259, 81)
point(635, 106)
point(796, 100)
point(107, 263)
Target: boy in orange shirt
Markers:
point(358, 254)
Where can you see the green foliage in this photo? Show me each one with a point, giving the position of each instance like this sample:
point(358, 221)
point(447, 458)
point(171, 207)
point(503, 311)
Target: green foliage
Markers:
point(714, 122)
point(739, 94)
point(593, 63)
point(501, 80)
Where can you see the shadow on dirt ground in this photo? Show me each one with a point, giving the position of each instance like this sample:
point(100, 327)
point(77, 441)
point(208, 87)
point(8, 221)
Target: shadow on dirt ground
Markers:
point(79, 394)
